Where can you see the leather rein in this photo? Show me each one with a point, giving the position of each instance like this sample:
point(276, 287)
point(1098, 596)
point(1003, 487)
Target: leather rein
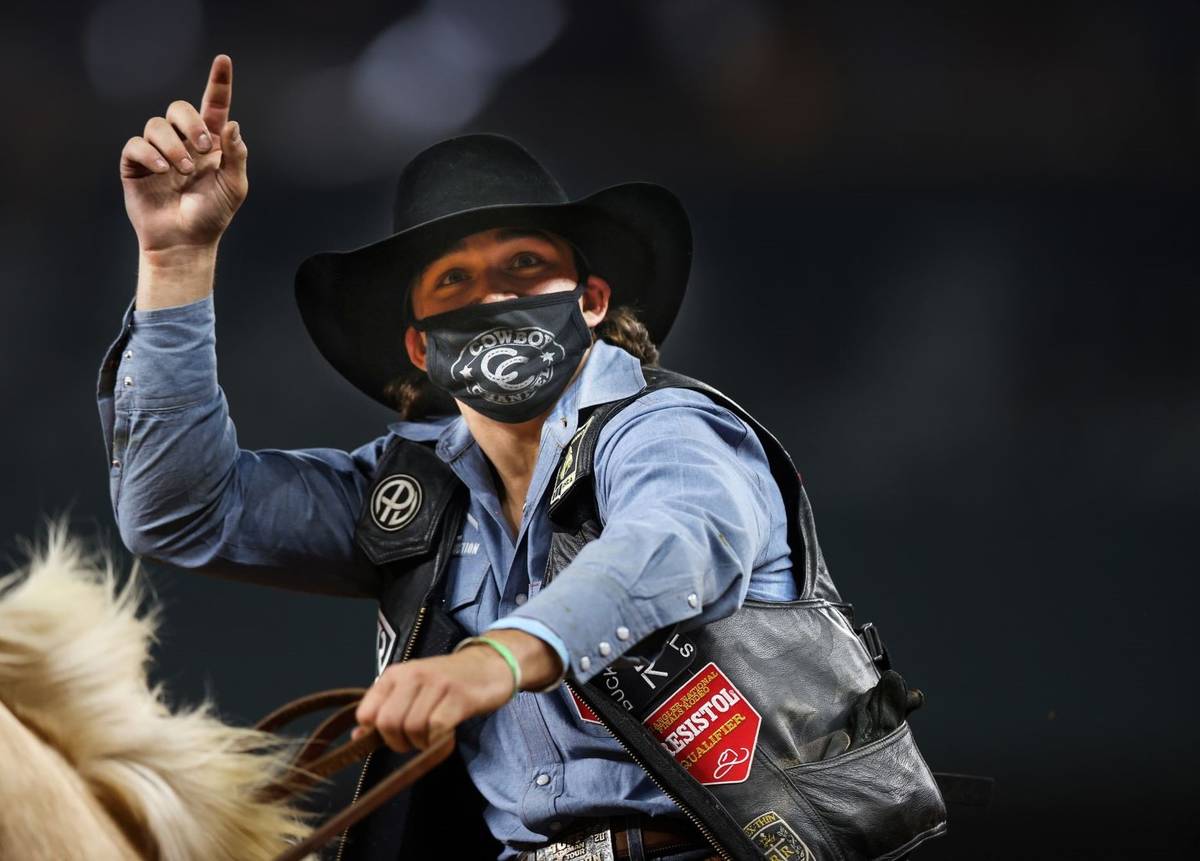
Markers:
point(315, 761)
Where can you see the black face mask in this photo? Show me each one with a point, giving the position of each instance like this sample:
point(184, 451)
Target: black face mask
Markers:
point(508, 360)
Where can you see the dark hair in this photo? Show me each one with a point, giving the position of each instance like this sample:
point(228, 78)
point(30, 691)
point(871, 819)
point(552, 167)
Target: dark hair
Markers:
point(415, 398)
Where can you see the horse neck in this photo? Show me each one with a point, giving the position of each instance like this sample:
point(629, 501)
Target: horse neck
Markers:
point(56, 816)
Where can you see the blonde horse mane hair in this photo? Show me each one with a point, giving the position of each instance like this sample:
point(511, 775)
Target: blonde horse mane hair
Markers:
point(92, 754)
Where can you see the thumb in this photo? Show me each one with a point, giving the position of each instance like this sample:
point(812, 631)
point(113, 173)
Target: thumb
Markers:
point(233, 154)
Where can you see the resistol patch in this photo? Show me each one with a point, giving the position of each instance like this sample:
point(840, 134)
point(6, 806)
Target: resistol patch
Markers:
point(709, 727)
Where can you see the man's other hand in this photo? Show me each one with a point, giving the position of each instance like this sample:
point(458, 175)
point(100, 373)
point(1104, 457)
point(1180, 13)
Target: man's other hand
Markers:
point(414, 702)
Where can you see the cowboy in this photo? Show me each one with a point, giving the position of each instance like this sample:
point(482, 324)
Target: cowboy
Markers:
point(515, 331)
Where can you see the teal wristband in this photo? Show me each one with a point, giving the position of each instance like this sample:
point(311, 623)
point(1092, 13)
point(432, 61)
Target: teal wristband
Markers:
point(503, 651)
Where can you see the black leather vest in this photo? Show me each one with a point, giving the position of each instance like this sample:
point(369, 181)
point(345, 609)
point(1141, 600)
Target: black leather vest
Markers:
point(717, 716)
point(410, 518)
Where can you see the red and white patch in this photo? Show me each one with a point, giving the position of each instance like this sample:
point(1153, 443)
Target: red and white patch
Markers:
point(709, 727)
point(582, 709)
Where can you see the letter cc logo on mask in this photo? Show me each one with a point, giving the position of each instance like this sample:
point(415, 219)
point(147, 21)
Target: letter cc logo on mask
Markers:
point(508, 365)
point(395, 502)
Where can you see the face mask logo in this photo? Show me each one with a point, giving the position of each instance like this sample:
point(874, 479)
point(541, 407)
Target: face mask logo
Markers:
point(508, 365)
point(509, 360)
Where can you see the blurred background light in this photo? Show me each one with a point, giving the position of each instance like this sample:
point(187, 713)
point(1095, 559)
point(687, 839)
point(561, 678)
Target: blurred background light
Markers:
point(708, 41)
point(425, 76)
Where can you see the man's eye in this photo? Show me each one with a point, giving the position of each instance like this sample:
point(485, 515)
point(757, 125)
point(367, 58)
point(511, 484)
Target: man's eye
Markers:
point(452, 277)
point(526, 258)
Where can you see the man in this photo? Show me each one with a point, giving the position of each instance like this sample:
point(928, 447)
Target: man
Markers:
point(487, 298)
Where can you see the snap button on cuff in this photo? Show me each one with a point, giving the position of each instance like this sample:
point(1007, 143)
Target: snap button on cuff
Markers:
point(693, 600)
point(622, 633)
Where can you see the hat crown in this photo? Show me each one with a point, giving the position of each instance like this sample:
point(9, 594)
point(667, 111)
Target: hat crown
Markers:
point(469, 172)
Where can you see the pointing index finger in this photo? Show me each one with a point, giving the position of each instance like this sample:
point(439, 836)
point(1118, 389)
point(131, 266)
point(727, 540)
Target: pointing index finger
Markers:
point(214, 107)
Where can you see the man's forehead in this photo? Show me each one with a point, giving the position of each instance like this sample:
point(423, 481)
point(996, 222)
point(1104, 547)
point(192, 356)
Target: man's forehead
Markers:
point(502, 234)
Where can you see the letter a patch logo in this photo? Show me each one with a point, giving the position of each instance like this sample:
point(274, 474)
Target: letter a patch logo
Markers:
point(385, 643)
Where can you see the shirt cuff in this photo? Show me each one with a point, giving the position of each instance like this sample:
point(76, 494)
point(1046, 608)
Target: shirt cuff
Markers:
point(598, 619)
point(169, 359)
point(543, 633)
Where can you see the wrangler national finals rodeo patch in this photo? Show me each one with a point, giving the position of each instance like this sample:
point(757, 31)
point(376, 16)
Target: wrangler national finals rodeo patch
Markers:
point(776, 840)
point(709, 727)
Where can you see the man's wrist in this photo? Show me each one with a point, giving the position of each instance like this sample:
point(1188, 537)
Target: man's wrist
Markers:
point(175, 276)
point(539, 662)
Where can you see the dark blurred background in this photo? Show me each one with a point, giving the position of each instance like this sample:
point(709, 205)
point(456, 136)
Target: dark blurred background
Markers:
point(946, 251)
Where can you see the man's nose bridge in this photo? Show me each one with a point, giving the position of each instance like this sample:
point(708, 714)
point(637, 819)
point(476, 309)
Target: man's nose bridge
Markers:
point(492, 287)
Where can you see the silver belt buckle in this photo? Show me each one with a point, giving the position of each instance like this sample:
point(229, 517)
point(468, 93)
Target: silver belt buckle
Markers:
point(593, 845)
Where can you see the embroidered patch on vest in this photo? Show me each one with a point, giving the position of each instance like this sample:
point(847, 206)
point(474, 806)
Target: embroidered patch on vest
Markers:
point(709, 727)
point(395, 502)
point(568, 469)
point(582, 709)
point(637, 687)
point(776, 840)
point(385, 643)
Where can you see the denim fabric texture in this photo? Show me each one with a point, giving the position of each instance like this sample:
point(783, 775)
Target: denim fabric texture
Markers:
point(694, 524)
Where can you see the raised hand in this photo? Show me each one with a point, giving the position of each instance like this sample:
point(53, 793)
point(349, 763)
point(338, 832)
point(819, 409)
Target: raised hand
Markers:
point(185, 176)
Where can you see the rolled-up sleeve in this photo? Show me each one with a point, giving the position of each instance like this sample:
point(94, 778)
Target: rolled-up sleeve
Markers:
point(680, 488)
point(184, 492)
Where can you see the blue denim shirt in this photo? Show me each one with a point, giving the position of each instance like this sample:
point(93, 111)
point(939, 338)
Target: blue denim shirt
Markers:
point(694, 524)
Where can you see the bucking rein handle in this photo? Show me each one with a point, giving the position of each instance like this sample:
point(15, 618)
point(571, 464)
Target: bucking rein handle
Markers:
point(309, 766)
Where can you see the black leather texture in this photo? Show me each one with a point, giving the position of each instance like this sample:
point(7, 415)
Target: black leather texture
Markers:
point(802, 667)
point(410, 480)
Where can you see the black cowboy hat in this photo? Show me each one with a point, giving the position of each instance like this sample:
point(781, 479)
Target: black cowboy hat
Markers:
point(635, 235)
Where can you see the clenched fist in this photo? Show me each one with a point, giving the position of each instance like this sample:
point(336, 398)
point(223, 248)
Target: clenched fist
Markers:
point(185, 176)
point(413, 703)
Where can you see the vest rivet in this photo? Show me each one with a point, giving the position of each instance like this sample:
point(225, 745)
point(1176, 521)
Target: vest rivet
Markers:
point(693, 601)
point(604, 649)
point(622, 633)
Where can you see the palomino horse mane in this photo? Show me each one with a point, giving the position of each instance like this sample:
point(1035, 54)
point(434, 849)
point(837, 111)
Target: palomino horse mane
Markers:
point(95, 763)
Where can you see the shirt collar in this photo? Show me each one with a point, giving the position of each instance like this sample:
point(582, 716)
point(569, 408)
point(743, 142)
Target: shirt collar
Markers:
point(609, 374)
point(426, 430)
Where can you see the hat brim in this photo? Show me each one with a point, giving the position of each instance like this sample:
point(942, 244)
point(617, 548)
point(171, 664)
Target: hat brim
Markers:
point(635, 235)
